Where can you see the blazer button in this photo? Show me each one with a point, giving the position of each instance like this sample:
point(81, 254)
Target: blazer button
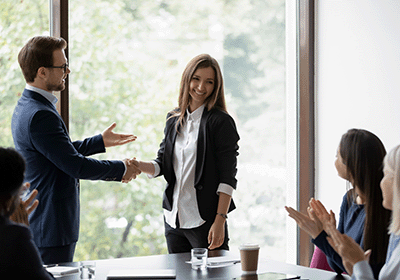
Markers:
point(200, 187)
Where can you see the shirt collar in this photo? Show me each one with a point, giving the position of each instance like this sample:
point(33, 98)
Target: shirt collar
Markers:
point(48, 95)
point(195, 115)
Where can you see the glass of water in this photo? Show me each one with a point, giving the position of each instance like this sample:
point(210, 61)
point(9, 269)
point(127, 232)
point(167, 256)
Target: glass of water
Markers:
point(199, 258)
point(87, 269)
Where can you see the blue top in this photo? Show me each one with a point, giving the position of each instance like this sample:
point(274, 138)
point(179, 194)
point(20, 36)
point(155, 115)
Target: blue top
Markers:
point(351, 222)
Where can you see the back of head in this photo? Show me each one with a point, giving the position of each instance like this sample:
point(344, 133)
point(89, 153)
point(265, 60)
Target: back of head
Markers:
point(392, 164)
point(363, 153)
point(12, 168)
point(38, 52)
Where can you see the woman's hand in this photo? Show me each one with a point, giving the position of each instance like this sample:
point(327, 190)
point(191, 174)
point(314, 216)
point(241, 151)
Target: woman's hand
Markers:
point(310, 224)
point(26, 207)
point(319, 210)
point(347, 248)
point(216, 235)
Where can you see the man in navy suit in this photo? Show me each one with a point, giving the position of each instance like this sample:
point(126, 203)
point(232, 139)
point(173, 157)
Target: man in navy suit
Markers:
point(54, 162)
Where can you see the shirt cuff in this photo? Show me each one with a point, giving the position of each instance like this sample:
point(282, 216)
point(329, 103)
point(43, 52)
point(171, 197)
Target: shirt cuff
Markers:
point(156, 170)
point(123, 175)
point(225, 188)
point(362, 270)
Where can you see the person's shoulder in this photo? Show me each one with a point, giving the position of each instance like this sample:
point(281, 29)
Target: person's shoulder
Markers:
point(12, 234)
point(219, 118)
point(14, 229)
point(219, 114)
point(173, 113)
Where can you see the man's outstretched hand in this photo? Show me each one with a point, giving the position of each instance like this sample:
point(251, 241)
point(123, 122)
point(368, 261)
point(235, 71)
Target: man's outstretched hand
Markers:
point(112, 139)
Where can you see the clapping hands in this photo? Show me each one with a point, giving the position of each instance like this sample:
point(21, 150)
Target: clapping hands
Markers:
point(24, 208)
point(345, 246)
point(310, 223)
point(319, 219)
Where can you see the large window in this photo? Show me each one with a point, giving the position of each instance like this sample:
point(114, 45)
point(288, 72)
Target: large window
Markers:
point(126, 59)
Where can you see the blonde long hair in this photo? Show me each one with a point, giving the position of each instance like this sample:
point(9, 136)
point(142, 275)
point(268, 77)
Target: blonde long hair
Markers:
point(392, 165)
point(217, 97)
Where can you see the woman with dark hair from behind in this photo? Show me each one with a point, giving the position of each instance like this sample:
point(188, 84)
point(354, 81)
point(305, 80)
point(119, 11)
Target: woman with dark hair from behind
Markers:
point(377, 218)
point(354, 257)
point(19, 257)
point(360, 162)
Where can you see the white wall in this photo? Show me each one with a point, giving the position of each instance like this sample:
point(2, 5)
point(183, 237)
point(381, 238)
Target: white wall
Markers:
point(357, 81)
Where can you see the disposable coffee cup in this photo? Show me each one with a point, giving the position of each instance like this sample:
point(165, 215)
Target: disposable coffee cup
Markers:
point(249, 258)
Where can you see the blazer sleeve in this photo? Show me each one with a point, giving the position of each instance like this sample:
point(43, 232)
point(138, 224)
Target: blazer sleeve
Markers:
point(90, 146)
point(50, 138)
point(226, 139)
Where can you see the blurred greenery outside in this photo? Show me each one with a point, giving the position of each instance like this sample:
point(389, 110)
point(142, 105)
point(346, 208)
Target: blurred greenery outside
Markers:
point(126, 59)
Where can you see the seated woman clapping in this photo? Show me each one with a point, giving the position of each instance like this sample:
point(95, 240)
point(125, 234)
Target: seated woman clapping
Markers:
point(354, 257)
point(359, 161)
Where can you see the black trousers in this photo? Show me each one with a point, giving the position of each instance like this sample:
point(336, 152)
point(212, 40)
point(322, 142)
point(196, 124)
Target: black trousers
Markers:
point(183, 240)
point(54, 255)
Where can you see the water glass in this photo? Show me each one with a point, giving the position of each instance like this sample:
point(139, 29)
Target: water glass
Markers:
point(199, 258)
point(87, 269)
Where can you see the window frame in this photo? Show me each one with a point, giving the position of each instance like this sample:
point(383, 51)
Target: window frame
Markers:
point(59, 26)
point(305, 120)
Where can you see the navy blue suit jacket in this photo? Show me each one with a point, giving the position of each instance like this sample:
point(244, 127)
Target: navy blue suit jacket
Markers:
point(54, 165)
point(216, 160)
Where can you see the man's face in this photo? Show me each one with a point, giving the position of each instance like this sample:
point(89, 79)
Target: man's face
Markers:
point(57, 76)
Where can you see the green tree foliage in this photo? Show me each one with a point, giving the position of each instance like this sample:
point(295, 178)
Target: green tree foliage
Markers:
point(19, 20)
point(126, 59)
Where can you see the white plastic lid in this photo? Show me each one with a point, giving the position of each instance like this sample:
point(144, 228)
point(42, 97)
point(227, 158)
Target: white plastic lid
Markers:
point(249, 246)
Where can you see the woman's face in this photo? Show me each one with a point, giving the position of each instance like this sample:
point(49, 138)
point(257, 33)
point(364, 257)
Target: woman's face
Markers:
point(341, 167)
point(387, 189)
point(201, 86)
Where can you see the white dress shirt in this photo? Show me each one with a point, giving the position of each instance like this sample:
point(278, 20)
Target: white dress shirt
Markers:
point(185, 206)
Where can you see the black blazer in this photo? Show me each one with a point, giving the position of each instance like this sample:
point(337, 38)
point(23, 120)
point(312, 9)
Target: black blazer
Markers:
point(216, 160)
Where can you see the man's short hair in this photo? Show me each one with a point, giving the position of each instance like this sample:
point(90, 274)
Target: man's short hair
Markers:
point(38, 52)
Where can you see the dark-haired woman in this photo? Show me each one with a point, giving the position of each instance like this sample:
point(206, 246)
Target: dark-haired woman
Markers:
point(362, 217)
point(19, 257)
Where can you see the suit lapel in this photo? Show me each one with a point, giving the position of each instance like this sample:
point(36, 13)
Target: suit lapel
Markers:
point(169, 148)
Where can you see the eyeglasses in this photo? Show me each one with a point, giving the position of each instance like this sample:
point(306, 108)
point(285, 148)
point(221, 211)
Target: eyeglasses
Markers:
point(63, 67)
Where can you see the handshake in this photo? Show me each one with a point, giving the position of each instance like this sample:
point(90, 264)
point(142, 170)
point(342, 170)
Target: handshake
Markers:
point(132, 170)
